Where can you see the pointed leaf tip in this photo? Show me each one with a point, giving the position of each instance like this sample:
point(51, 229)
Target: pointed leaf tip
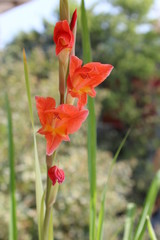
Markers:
point(24, 55)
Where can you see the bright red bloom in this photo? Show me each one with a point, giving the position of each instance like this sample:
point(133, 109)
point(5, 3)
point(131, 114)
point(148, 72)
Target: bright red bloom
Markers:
point(56, 175)
point(83, 79)
point(63, 37)
point(58, 123)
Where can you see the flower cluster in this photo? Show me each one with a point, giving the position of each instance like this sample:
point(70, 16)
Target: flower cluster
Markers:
point(58, 122)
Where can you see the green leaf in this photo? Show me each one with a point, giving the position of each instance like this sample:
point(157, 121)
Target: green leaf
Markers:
point(150, 229)
point(148, 206)
point(42, 212)
point(13, 220)
point(38, 182)
point(102, 207)
point(91, 128)
point(85, 35)
point(50, 229)
point(129, 221)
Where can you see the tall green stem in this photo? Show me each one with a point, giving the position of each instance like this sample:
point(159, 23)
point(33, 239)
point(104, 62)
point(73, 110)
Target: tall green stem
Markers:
point(50, 197)
point(91, 128)
point(48, 209)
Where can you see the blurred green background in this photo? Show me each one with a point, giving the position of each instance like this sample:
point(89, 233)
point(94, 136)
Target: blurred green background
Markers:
point(129, 39)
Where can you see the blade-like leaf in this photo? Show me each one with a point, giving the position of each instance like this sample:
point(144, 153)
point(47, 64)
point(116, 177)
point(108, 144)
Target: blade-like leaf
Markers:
point(50, 231)
point(42, 212)
point(91, 128)
point(150, 229)
point(148, 206)
point(129, 221)
point(13, 220)
point(102, 208)
point(38, 183)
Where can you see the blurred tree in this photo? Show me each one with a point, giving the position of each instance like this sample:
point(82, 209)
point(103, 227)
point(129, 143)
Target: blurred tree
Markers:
point(127, 38)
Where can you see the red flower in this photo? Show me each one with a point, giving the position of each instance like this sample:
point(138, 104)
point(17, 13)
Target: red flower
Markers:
point(63, 37)
point(56, 174)
point(58, 123)
point(82, 80)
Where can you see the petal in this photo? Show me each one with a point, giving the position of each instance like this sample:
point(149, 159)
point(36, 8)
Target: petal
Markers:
point(69, 83)
point(53, 141)
point(92, 92)
point(82, 101)
point(44, 105)
point(60, 175)
point(62, 131)
point(98, 73)
point(63, 36)
point(76, 122)
point(56, 174)
point(60, 28)
point(51, 174)
point(72, 117)
point(75, 63)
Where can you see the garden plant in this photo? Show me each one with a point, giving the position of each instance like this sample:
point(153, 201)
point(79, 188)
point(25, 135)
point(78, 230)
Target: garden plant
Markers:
point(77, 82)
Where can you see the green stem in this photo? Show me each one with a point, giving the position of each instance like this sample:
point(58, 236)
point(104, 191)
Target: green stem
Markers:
point(61, 82)
point(48, 208)
point(49, 162)
point(63, 74)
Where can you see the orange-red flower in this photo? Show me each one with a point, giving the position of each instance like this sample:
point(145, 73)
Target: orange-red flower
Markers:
point(63, 37)
point(83, 79)
point(56, 175)
point(58, 123)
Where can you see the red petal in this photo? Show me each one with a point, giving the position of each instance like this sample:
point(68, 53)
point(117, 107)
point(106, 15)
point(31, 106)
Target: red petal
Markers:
point(60, 28)
point(82, 101)
point(72, 117)
point(75, 63)
point(56, 174)
point(98, 73)
point(92, 92)
point(53, 142)
point(69, 83)
point(63, 36)
point(77, 121)
point(73, 20)
point(43, 105)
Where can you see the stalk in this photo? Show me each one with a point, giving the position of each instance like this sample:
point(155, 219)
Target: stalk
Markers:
point(50, 197)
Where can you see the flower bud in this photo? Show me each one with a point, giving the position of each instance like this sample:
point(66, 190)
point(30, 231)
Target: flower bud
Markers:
point(56, 175)
point(73, 20)
point(63, 37)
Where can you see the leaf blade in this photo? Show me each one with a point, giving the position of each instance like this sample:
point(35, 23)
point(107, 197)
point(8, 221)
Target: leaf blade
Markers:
point(91, 127)
point(13, 218)
point(129, 221)
point(150, 229)
point(102, 207)
point(148, 206)
point(38, 181)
